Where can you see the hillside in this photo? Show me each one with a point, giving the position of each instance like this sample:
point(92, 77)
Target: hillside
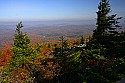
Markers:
point(68, 50)
point(44, 33)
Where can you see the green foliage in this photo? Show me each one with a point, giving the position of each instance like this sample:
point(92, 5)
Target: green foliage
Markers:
point(21, 40)
point(64, 43)
point(14, 74)
point(87, 55)
point(106, 24)
point(101, 60)
point(23, 56)
point(61, 50)
point(102, 22)
point(22, 51)
point(82, 40)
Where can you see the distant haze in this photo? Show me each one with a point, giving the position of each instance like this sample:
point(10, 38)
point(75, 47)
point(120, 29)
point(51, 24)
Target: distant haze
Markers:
point(27, 24)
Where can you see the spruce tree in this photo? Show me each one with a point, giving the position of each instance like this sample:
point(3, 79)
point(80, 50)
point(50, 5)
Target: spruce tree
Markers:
point(106, 24)
point(82, 40)
point(21, 51)
point(64, 45)
point(21, 40)
point(60, 51)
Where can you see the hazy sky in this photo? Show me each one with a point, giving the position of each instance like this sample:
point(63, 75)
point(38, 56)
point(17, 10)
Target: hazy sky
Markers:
point(54, 9)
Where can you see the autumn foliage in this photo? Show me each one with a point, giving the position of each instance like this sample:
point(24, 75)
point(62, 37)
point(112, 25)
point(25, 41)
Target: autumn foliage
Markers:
point(85, 60)
point(6, 57)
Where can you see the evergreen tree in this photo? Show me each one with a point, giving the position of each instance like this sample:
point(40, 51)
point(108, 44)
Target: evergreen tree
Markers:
point(82, 40)
point(106, 24)
point(59, 51)
point(64, 45)
point(21, 51)
point(21, 40)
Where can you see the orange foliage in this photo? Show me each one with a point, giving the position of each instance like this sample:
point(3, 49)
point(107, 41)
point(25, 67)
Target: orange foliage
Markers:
point(50, 64)
point(6, 57)
point(48, 68)
point(20, 73)
point(23, 75)
point(2, 67)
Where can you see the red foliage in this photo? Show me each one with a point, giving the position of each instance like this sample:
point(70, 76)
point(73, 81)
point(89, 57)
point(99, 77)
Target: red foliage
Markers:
point(48, 68)
point(6, 57)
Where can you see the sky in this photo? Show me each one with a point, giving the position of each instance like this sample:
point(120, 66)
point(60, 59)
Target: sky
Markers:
point(55, 9)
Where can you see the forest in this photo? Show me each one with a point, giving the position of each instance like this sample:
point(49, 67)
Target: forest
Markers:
point(97, 58)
